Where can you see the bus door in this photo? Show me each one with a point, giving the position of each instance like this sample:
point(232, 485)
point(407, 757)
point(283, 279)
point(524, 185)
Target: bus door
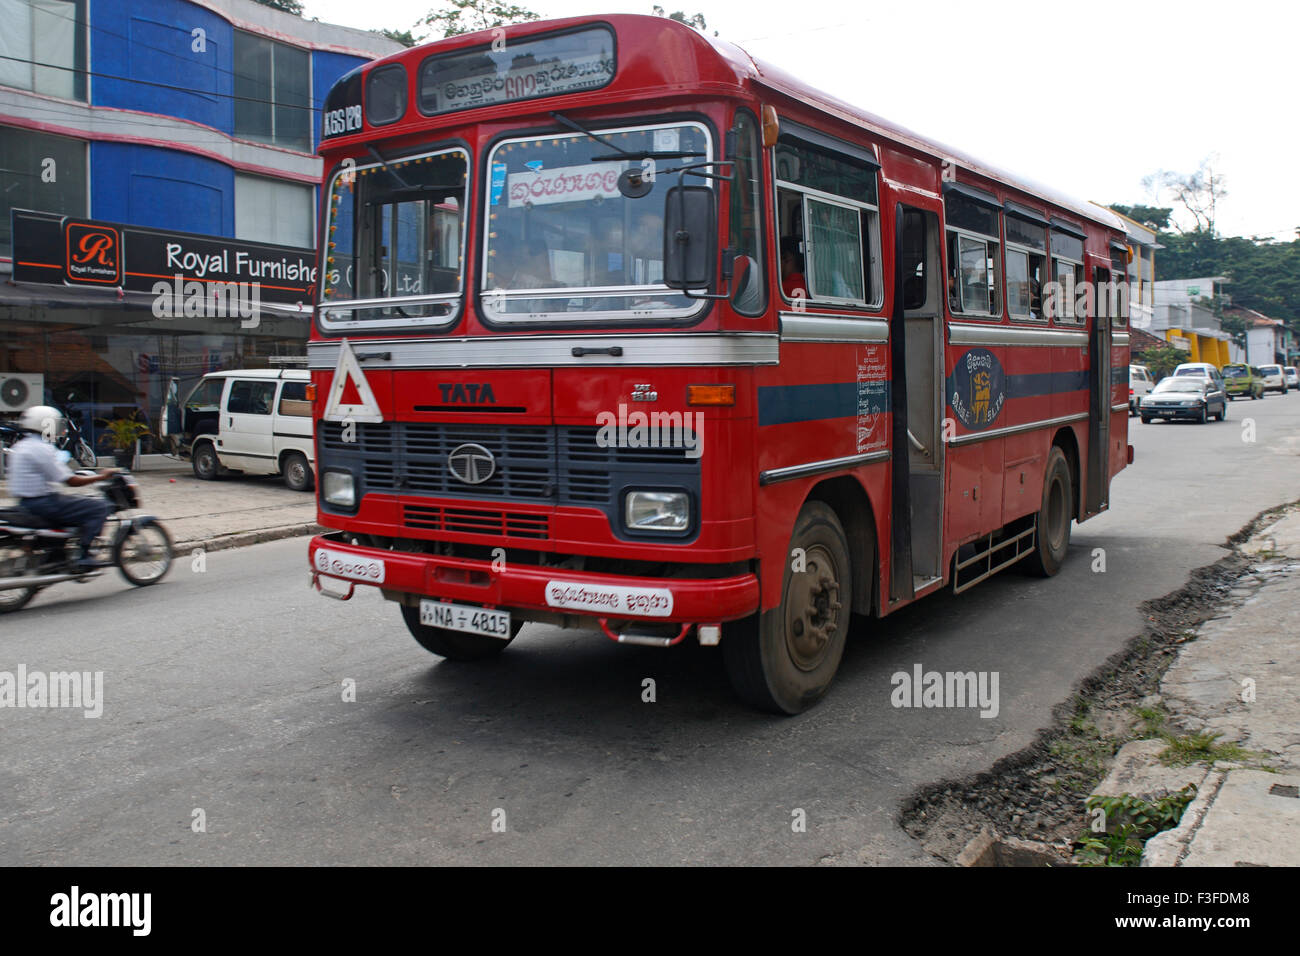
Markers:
point(1097, 497)
point(916, 395)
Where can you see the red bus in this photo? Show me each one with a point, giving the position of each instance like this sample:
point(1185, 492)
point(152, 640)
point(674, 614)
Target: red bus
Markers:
point(620, 328)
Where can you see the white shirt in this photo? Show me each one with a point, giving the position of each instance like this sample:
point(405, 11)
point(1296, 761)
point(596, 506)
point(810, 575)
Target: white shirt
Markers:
point(35, 468)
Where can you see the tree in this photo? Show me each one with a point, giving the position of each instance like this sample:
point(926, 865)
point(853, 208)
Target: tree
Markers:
point(466, 16)
point(404, 37)
point(1162, 360)
point(1199, 193)
point(286, 6)
point(1153, 217)
point(695, 20)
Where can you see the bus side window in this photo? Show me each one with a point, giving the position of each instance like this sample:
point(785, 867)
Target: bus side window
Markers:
point(828, 216)
point(974, 252)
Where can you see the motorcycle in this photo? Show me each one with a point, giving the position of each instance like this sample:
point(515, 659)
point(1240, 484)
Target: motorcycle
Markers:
point(34, 555)
point(72, 441)
point(75, 444)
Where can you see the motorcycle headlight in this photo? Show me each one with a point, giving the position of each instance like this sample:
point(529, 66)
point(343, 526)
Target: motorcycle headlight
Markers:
point(657, 511)
point(338, 488)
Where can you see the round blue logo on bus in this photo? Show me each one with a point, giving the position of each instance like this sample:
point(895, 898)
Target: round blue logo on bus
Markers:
point(977, 389)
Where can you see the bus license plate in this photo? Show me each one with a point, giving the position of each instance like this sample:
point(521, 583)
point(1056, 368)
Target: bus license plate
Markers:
point(465, 617)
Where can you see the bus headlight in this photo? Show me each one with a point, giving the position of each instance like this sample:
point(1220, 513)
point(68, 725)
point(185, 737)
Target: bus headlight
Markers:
point(338, 489)
point(657, 511)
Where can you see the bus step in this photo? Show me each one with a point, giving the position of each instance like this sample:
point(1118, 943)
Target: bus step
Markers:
point(648, 640)
point(991, 554)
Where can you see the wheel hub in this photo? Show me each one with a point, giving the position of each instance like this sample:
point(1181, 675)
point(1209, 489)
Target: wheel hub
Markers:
point(812, 609)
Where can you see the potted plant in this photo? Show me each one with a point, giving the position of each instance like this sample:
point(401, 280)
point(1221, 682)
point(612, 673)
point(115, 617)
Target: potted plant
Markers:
point(122, 434)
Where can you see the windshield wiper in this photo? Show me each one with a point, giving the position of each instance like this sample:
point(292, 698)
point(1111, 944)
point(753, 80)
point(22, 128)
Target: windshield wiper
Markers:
point(619, 150)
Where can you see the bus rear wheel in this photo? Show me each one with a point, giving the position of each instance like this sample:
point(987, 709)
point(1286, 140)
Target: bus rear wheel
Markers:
point(1054, 517)
point(454, 645)
point(783, 660)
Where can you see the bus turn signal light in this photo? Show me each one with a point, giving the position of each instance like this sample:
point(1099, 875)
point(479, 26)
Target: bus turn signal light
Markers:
point(771, 126)
point(311, 391)
point(710, 395)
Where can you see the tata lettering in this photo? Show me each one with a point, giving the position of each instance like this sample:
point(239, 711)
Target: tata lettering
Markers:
point(457, 394)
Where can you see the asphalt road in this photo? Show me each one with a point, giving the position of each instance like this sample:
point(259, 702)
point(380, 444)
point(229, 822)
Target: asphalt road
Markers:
point(223, 692)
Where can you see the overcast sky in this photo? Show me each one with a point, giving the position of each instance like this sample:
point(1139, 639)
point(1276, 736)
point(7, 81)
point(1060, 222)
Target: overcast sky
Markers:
point(1086, 99)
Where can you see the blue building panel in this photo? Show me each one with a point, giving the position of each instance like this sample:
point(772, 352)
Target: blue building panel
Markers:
point(146, 55)
point(325, 69)
point(161, 188)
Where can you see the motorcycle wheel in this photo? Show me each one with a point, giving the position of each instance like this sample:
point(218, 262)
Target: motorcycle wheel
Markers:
point(16, 560)
point(85, 455)
point(144, 553)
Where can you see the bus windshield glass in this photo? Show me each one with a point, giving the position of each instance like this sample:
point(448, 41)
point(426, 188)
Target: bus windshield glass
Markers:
point(394, 242)
point(563, 243)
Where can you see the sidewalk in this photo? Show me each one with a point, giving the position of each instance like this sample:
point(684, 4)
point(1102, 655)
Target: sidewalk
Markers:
point(1240, 678)
point(229, 513)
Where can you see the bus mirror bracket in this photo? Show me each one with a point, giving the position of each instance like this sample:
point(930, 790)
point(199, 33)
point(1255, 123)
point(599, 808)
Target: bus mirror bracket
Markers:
point(691, 235)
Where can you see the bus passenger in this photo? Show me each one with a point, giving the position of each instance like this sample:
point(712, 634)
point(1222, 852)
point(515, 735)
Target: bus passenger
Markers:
point(793, 283)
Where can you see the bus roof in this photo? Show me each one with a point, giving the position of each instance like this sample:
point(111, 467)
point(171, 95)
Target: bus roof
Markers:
point(719, 63)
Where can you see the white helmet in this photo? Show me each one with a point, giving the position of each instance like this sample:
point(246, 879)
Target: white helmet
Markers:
point(45, 420)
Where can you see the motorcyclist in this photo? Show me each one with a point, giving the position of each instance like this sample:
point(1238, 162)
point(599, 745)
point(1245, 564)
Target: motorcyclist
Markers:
point(37, 469)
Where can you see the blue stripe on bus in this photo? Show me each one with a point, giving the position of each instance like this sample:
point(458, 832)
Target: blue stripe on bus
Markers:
point(1045, 383)
point(787, 404)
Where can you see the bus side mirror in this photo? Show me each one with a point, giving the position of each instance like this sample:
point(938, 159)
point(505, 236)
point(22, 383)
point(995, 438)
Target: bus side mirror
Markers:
point(690, 237)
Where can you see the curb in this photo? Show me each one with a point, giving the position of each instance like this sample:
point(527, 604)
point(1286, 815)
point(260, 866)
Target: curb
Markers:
point(1170, 847)
point(240, 539)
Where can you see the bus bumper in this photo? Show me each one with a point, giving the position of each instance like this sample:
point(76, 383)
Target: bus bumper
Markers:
point(530, 587)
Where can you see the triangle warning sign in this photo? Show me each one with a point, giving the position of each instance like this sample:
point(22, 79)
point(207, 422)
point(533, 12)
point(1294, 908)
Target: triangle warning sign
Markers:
point(350, 394)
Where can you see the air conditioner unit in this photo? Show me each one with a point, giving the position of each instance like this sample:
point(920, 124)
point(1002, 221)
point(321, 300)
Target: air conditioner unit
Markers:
point(20, 389)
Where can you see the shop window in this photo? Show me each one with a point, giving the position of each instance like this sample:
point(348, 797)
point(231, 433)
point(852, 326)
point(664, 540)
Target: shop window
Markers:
point(43, 46)
point(267, 210)
point(272, 92)
point(41, 172)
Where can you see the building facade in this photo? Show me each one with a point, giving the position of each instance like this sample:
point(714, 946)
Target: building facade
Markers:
point(169, 136)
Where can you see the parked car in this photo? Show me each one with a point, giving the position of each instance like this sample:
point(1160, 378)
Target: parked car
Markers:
point(1292, 376)
point(1185, 396)
point(256, 421)
point(1139, 384)
point(1274, 378)
point(1242, 381)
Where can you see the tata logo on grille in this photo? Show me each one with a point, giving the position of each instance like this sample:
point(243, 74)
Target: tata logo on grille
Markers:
point(472, 464)
point(472, 394)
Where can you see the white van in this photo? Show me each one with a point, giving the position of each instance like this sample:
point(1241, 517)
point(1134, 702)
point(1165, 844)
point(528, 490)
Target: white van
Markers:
point(256, 421)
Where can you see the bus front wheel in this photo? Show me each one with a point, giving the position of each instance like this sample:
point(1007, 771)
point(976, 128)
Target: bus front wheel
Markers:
point(454, 645)
point(783, 660)
point(1054, 517)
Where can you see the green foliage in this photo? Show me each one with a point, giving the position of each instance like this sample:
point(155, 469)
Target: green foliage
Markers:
point(1162, 360)
point(695, 20)
point(288, 6)
point(1153, 217)
point(404, 37)
point(1130, 822)
point(466, 16)
point(123, 433)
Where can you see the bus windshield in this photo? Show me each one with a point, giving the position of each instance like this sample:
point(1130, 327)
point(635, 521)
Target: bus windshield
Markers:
point(394, 242)
point(562, 242)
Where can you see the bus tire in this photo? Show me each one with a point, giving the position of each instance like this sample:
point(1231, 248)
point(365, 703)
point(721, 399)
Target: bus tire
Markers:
point(783, 660)
point(1054, 517)
point(454, 645)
